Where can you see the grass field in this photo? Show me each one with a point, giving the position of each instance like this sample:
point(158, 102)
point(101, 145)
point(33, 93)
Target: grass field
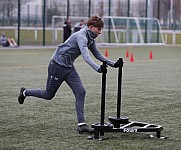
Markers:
point(151, 92)
point(27, 37)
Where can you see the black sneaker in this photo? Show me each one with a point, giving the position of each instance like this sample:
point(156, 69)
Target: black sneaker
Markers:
point(84, 128)
point(21, 97)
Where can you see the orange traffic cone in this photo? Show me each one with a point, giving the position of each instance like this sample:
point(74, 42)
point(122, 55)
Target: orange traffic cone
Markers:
point(132, 58)
point(127, 53)
point(106, 53)
point(151, 55)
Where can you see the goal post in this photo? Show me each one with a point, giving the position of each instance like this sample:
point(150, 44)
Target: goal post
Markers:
point(119, 30)
point(131, 30)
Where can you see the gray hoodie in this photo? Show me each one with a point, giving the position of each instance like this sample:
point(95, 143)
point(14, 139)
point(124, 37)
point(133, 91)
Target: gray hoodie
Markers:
point(78, 44)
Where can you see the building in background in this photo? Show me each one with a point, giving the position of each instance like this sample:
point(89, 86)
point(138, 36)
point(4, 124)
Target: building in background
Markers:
point(31, 10)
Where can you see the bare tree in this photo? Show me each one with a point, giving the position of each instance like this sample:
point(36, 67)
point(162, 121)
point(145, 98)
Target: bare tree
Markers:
point(177, 9)
point(9, 4)
point(53, 10)
point(8, 7)
point(81, 7)
point(101, 11)
point(165, 12)
point(119, 13)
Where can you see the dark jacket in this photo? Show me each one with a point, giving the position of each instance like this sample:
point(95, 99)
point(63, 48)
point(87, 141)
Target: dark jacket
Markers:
point(66, 31)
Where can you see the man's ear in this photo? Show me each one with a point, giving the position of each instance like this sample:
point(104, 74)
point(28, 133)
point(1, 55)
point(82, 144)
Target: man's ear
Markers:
point(90, 27)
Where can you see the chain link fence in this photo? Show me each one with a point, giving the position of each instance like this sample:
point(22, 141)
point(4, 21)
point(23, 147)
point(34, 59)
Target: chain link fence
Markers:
point(31, 12)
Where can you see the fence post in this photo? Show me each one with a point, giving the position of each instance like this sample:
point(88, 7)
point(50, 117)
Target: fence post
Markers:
point(146, 25)
point(109, 31)
point(128, 13)
point(89, 8)
point(158, 19)
point(19, 21)
point(68, 6)
point(44, 18)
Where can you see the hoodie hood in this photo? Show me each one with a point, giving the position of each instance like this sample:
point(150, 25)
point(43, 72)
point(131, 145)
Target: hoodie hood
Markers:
point(91, 35)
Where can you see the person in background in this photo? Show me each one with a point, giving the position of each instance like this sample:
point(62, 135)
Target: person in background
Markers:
point(67, 29)
point(79, 25)
point(6, 42)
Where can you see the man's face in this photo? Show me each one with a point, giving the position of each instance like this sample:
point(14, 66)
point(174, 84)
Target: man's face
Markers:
point(96, 30)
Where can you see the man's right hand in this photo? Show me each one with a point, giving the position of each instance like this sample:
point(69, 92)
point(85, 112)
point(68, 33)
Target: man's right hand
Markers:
point(102, 69)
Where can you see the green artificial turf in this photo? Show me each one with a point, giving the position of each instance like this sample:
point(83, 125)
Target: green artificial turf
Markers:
point(151, 91)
